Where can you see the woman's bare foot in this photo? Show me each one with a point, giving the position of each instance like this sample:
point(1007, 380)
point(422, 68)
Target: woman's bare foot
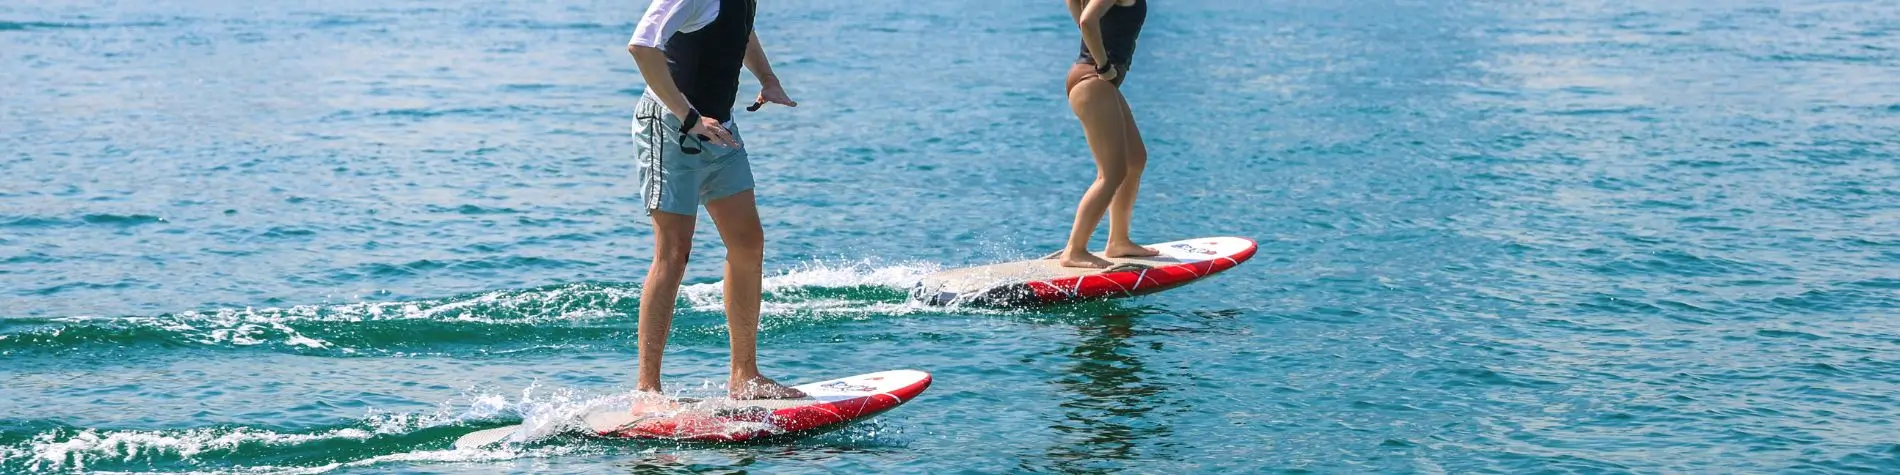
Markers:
point(1085, 261)
point(1129, 249)
point(761, 387)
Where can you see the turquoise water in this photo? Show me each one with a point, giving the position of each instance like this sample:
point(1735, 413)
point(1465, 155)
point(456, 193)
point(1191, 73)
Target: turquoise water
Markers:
point(1564, 236)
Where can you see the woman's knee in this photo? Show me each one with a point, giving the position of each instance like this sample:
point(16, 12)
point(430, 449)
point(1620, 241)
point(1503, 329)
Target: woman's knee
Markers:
point(1137, 158)
point(1111, 177)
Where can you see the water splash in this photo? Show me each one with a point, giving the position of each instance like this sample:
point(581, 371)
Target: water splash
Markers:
point(560, 316)
point(379, 438)
point(88, 449)
point(814, 280)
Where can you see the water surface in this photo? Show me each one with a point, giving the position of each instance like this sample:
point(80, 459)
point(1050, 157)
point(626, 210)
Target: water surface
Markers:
point(1570, 236)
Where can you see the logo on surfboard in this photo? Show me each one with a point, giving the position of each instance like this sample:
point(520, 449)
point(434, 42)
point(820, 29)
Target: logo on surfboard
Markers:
point(844, 386)
point(1196, 250)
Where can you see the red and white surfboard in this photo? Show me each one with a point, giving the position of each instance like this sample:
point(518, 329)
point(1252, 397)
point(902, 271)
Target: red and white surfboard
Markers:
point(828, 404)
point(1044, 281)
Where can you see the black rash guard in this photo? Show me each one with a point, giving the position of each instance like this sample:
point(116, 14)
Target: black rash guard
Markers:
point(705, 62)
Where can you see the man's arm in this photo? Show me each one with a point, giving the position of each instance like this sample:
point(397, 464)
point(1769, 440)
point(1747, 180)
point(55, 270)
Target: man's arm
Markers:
point(769, 88)
point(756, 62)
point(653, 68)
point(662, 19)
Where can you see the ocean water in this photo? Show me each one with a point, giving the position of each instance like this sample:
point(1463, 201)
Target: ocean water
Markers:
point(1563, 236)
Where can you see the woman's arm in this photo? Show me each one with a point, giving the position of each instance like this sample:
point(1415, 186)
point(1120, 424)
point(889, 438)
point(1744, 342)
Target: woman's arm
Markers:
point(1088, 17)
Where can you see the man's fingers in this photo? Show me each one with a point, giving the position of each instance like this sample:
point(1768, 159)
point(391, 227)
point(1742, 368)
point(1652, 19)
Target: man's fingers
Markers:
point(716, 134)
point(724, 138)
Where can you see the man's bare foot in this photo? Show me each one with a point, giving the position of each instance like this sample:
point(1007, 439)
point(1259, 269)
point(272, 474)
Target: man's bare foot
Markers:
point(1129, 249)
point(1085, 261)
point(760, 387)
point(649, 402)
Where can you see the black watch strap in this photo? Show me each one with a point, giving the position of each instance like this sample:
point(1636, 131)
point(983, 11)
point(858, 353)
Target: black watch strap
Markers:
point(692, 119)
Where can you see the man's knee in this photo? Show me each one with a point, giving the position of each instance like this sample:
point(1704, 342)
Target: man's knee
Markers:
point(671, 252)
point(746, 246)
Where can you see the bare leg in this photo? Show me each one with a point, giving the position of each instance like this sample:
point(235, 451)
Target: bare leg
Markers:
point(672, 243)
point(737, 217)
point(1096, 102)
point(1121, 210)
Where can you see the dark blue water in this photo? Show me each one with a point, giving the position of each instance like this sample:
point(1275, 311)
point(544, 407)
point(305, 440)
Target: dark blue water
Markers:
point(1495, 237)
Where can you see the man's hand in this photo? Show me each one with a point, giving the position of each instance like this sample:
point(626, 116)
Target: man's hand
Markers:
point(774, 94)
point(710, 129)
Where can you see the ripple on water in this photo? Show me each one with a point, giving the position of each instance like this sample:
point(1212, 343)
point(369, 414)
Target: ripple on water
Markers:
point(1505, 237)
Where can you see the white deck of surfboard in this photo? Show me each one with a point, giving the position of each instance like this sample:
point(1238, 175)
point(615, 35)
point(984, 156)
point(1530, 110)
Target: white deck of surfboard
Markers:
point(974, 279)
point(841, 389)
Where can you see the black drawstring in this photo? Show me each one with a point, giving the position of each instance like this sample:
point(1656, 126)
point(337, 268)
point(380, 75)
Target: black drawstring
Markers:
point(689, 149)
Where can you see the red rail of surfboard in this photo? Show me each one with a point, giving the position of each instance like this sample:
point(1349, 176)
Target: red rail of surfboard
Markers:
point(1135, 282)
point(709, 428)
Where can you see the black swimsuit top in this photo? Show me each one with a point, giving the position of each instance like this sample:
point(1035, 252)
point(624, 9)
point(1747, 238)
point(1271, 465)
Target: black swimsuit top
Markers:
point(1120, 26)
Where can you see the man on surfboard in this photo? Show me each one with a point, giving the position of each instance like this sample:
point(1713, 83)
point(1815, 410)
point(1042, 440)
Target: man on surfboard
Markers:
point(690, 154)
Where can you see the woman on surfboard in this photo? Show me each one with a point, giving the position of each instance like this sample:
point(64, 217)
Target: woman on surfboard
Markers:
point(1109, 28)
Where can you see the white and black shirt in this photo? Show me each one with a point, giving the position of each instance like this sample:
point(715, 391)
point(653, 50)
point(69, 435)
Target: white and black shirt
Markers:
point(705, 43)
point(666, 17)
